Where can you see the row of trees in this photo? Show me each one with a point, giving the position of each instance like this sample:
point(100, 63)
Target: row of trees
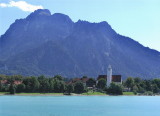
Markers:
point(137, 85)
point(40, 84)
point(58, 84)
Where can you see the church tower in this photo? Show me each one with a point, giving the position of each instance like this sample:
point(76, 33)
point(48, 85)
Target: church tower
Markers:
point(109, 75)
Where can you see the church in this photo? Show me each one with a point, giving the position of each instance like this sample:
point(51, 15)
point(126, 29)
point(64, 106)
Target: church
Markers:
point(110, 78)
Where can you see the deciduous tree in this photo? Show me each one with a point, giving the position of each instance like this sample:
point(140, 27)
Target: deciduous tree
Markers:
point(101, 84)
point(79, 87)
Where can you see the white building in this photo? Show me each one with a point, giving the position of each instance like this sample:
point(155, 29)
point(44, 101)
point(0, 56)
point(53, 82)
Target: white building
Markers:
point(109, 75)
point(110, 78)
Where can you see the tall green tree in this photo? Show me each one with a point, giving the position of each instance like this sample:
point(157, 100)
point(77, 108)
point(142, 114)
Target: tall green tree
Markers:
point(20, 88)
point(62, 87)
point(0, 86)
point(157, 82)
point(58, 77)
point(59, 86)
point(35, 84)
point(148, 85)
point(12, 89)
point(69, 88)
point(79, 87)
point(101, 84)
point(137, 80)
point(51, 83)
point(91, 82)
point(129, 83)
point(31, 84)
point(155, 88)
point(44, 84)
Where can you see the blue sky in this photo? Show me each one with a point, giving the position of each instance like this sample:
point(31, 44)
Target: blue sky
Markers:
point(138, 19)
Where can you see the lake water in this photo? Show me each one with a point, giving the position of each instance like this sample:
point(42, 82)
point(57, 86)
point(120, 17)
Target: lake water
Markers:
point(79, 106)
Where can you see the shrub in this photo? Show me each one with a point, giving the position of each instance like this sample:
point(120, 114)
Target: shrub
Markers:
point(115, 89)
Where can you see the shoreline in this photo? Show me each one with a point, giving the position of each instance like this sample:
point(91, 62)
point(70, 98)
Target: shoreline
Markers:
point(60, 94)
point(49, 95)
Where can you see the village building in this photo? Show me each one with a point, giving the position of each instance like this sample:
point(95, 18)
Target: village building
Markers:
point(87, 82)
point(83, 80)
point(110, 78)
point(15, 82)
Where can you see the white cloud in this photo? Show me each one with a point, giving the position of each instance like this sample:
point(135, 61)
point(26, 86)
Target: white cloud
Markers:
point(3, 5)
point(23, 5)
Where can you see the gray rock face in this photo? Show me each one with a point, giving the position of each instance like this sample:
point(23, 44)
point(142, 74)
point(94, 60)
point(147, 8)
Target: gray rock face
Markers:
point(53, 44)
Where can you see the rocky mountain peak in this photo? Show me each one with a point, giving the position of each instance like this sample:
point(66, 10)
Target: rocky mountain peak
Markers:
point(39, 13)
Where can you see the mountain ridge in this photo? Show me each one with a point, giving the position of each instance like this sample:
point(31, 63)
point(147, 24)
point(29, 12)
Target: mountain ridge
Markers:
point(54, 44)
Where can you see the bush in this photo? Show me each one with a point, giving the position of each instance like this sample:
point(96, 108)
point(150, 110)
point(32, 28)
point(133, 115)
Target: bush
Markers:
point(150, 93)
point(141, 90)
point(135, 89)
point(115, 89)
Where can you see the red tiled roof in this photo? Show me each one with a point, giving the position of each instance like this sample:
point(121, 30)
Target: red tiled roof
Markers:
point(84, 79)
point(75, 80)
point(4, 81)
point(15, 82)
point(115, 78)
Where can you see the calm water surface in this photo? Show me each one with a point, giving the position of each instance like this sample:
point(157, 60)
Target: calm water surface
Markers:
point(79, 106)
